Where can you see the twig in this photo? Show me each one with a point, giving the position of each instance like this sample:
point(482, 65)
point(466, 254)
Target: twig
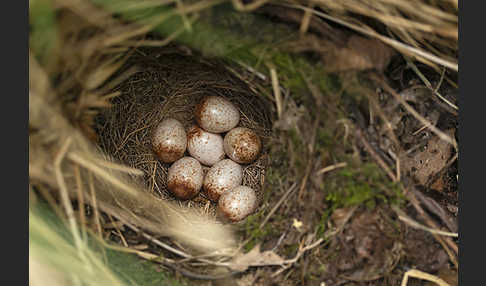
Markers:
point(304, 25)
point(310, 162)
point(394, 43)
point(403, 217)
point(238, 5)
point(377, 108)
point(345, 220)
point(152, 185)
point(279, 241)
point(80, 194)
point(375, 155)
point(276, 91)
point(198, 276)
point(277, 205)
point(398, 170)
point(170, 263)
point(437, 210)
point(446, 242)
point(422, 275)
point(429, 85)
point(288, 263)
point(118, 231)
point(410, 109)
point(413, 200)
point(419, 130)
point(331, 168)
point(173, 250)
point(158, 242)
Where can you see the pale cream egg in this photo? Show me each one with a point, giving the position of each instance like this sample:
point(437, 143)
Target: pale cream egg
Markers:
point(242, 145)
point(216, 114)
point(185, 178)
point(169, 140)
point(206, 147)
point(223, 176)
point(238, 203)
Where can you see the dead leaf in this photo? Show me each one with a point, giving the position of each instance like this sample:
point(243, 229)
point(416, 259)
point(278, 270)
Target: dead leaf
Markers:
point(450, 276)
point(340, 216)
point(359, 54)
point(255, 258)
point(290, 117)
point(438, 184)
point(425, 164)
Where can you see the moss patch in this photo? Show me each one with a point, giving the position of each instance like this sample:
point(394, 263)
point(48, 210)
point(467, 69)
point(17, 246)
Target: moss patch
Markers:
point(365, 184)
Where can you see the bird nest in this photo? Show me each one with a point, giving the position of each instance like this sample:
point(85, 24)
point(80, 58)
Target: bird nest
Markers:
point(169, 85)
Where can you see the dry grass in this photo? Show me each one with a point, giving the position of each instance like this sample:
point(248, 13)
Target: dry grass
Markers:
point(66, 111)
point(427, 32)
point(116, 193)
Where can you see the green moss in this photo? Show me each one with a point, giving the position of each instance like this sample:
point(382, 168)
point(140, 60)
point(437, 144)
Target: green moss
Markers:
point(290, 250)
point(129, 268)
point(299, 150)
point(322, 268)
point(322, 225)
point(253, 232)
point(329, 82)
point(43, 34)
point(222, 32)
point(295, 71)
point(325, 139)
point(365, 184)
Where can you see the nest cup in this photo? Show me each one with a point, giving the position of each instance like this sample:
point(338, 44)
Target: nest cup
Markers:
point(169, 85)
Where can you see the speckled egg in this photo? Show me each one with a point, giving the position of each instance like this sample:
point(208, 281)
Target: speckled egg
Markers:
point(237, 203)
point(169, 140)
point(206, 147)
point(242, 145)
point(223, 176)
point(185, 178)
point(216, 114)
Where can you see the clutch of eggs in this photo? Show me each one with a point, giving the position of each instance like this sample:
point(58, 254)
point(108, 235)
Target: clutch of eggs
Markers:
point(222, 183)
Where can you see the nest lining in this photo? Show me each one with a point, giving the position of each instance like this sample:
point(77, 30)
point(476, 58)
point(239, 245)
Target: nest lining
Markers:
point(170, 86)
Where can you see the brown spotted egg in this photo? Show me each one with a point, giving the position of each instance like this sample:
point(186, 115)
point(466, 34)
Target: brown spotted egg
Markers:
point(185, 178)
point(223, 176)
point(169, 140)
point(238, 203)
point(242, 145)
point(216, 114)
point(205, 146)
